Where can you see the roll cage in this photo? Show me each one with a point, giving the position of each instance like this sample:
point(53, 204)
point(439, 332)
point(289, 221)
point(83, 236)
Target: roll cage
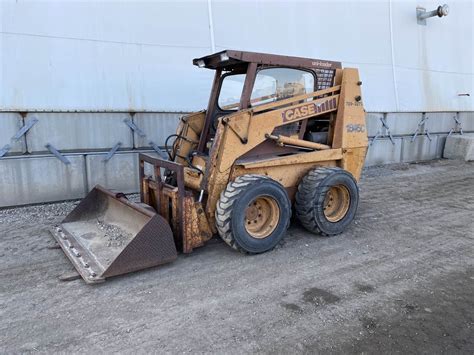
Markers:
point(249, 63)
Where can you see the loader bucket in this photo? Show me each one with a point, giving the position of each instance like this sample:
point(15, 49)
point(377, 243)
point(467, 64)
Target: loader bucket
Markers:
point(107, 235)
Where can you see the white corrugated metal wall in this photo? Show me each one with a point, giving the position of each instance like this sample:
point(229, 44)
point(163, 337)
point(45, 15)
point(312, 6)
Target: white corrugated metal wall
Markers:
point(136, 55)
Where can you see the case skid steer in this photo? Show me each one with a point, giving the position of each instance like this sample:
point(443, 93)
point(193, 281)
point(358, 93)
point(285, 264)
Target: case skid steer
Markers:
point(279, 134)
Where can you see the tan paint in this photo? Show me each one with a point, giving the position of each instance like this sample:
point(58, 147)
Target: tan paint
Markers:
point(350, 129)
point(189, 127)
point(282, 140)
point(240, 132)
point(261, 125)
point(286, 177)
point(307, 157)
point(187, 197)
point(353, 161)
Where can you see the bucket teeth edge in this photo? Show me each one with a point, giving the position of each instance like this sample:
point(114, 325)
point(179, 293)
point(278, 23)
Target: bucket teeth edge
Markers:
point(82, 266)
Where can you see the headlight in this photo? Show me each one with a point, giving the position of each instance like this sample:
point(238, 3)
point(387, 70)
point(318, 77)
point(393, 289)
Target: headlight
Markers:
point(201, 63)
point(224, 57)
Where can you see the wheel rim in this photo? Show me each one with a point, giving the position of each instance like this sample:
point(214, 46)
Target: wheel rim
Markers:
point(261, 217)
point(336, 203)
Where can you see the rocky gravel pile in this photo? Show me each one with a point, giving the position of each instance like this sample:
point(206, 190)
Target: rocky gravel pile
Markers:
point(36, 213)
point(116, 237)
point(44, 212)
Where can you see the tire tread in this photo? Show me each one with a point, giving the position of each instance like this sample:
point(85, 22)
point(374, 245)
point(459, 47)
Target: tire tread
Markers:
point(309, 187)
point(225, 204)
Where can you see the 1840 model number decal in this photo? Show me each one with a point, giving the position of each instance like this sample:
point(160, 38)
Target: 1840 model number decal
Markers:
point(355, 128)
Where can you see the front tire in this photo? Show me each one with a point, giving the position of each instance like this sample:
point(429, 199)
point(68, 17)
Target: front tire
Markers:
point(327, 200)
point(253, 213)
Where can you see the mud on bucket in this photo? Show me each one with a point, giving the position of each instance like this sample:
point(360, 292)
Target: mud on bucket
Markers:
point(107, 235)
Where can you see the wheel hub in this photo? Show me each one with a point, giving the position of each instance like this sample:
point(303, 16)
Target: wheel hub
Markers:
point(336, 203)
point(261, 217)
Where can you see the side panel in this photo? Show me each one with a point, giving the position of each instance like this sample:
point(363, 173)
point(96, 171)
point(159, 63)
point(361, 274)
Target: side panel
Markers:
point(289, 178)
point(350, 129)
point(189, 129)
point(353, 161)
point(256, 124)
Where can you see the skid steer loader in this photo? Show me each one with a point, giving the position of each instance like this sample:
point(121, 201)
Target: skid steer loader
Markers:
point(279, 133)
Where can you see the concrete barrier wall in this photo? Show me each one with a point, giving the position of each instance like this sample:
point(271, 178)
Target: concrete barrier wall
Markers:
point(34, 179)
point(10, 124)
point(467, 121)
point(156, 127)
point(79, 131)
point(31, 174)
point(119, 173)
point(410, 137)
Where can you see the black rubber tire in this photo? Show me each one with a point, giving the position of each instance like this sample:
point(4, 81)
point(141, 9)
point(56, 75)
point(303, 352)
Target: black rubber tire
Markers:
point(310, 200)
point(230, 212)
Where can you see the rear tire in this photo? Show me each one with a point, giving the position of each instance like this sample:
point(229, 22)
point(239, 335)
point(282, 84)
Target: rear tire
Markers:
point(253, 213)
point(327, 200)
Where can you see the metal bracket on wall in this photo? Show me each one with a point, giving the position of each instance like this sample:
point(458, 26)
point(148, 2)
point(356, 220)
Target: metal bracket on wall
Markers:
point(134, 127)
point(457, 128)
point(384, 124)
point(419, 130)
point(5, 149)
point(111, 153)
point(379, 135)
point(428, 135)
point(158, 150)
point(422, 14)
point(30, 123)
point(58, 155)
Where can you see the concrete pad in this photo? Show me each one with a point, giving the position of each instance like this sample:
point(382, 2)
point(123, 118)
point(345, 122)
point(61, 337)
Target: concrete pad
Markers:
point(40, 179)
point(10, 124)
point(156, 126)
point(79, 131)
point(459, 147)
point(422, 148)
point(383, 151)
point(397, 280)
point(403, 123)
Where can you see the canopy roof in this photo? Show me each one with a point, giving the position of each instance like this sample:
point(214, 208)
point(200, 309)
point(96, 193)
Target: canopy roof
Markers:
point(231, 58)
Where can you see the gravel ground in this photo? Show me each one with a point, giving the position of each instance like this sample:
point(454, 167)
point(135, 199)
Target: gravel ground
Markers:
point(401, 279)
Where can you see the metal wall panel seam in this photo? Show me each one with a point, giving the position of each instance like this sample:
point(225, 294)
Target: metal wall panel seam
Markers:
point(395, 87)
point(101, 40)
point(211, 26)
point(85, 175)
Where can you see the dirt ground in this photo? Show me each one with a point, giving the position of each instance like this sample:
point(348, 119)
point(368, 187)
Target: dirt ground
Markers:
point(401, 279)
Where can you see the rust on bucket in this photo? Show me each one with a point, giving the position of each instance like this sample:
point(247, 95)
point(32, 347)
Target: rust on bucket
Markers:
point(107, 235)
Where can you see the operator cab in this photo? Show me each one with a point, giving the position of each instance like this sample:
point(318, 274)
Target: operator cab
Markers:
point(244, 80)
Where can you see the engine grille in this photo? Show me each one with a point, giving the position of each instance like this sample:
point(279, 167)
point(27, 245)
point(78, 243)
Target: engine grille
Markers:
point(325, 78)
